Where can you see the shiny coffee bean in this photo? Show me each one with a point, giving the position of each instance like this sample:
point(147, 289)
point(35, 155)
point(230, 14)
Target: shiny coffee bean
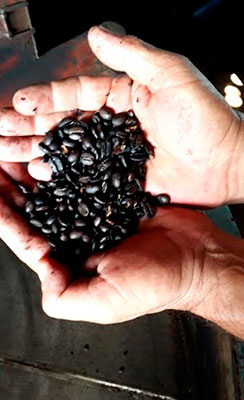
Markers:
point(163, 198)
point(29, 207)
point(83, 209)
point(106, 113)
point(75, 234)
point(119, 119)
point(87, 158)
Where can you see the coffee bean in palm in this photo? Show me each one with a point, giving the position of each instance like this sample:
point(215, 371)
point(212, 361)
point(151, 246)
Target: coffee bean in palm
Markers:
point(119, 119)
point(36, 222)
point(96, 196)
point(83, 209)
point(29, 207)
point(163, 198)
point(75, 234)
point(87, 158)
point(106, 113)
point(73, 156)
point(91, 189)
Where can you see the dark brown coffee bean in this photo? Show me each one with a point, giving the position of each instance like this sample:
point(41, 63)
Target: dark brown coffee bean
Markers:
point(97, 221)
point(56, 165)
point(66, 121)
point(75, 234)
point(80, 223)
point(69, 143)
point(76, 130)
point(73, 157)
point(105, 164)
point(41, 208)
point(119, 119)
point(83, 209)
point(106, 113)
point(116, 180)
point(51, 220)
point(91, 189)
point(54, 228)
point(63, 237)
point(86, 238)
point(61, 191)
point(46, 229)
point(163, 198)
point(36, 222)
point(29, 207)
point(44, 148)
point(87, 158)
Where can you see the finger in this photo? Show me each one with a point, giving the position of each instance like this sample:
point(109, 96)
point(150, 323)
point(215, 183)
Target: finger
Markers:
point(18, 173)
point(92, 262)
point(20, 237)
point(144, 63)
point(82, 300)
point(13, 123)
point(86, 93)
point(20, 149)
point(10, 192)
point(39, 170)
point(83, 92)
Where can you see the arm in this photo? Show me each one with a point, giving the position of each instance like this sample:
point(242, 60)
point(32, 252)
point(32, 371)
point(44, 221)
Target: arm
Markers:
point(221, 298)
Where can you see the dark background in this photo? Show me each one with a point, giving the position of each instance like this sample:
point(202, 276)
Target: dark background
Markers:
point(209, 32)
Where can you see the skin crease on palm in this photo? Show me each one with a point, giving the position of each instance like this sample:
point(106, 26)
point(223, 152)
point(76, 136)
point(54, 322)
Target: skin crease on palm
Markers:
point(179, 259)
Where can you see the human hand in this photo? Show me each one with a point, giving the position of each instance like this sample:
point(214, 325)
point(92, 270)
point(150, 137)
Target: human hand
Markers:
point(197, 136)
point(178, 260)
point(158, 275)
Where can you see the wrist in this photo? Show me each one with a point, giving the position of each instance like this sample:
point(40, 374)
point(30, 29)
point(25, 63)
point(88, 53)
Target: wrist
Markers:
point(236, 169)
point(221, 293)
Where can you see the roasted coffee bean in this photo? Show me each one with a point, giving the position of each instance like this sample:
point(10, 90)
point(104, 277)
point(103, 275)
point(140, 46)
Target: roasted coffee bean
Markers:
point(83, 209)
point(119, 119)
point(66, 121)
point(97, 221)
point(56, 165)
point(80, 222)
point(73, 157)
point(86, 238)
point(46, 229)
point(69, 143)
point(29, 207)
point(44, 148)
point(61, 191)
point(87, 158)
point(41, 208)
point(104, 187)
point(75, 234)
point(106, 113)
point(36, 222)
point(116, 180)
point(63, 237)
point(95, 197)
point(105, 164)
point(76, 130)
point(163, 198)
point(51, 220)
point(91, 189)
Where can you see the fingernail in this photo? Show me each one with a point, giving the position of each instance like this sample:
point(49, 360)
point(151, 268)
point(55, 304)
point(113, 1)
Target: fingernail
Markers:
point(113, 27)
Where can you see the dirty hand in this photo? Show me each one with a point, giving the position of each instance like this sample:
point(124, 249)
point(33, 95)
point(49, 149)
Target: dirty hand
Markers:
point(179, 260)
point(198, 139)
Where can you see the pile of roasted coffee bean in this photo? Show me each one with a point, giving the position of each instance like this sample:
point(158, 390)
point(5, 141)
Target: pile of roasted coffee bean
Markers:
point(95, 198)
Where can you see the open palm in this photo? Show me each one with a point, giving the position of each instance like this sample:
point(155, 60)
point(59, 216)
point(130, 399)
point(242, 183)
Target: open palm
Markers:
point(151, 271)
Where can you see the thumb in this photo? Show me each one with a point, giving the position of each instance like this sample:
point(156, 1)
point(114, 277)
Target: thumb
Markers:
point(144, 63)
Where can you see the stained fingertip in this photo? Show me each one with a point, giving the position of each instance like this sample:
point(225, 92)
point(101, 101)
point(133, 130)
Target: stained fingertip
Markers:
point(39, 170)
point(33, 100)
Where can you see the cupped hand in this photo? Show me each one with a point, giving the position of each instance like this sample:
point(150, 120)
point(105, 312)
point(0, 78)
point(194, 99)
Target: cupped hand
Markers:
point(197, 137)
point(164, 266)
